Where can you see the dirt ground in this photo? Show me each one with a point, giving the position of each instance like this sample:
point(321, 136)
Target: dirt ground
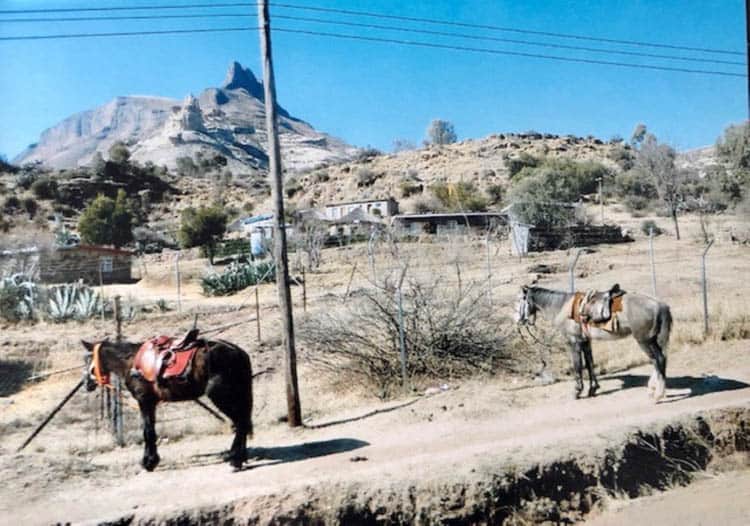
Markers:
point(721, 499)
point(355, 449)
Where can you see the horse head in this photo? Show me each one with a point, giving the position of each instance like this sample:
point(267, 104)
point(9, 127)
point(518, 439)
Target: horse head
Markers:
point(525, 308)
point(94, 372)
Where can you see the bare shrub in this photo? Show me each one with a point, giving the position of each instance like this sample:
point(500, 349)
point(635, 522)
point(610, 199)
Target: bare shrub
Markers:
point(448, 334)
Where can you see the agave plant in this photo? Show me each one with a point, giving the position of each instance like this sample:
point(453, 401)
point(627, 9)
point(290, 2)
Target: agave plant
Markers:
point(237, 276)
point(87, 303)
point(18, 297)
point(62, 302)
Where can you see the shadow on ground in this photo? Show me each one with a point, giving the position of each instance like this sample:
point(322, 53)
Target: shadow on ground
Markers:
point(696, 385)
point(308, 450)
point(13, 375)
point(259, 457)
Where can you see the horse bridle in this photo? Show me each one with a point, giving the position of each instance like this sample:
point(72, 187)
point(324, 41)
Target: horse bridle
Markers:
point(526, 314)
point(95, 369)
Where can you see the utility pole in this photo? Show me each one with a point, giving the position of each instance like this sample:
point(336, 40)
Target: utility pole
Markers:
point(747, 57)
point(280, 254)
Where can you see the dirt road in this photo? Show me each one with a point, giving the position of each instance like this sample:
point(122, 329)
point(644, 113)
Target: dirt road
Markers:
point(412, 449)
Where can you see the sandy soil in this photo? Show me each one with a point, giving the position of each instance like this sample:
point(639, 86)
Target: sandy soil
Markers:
point(722, 499)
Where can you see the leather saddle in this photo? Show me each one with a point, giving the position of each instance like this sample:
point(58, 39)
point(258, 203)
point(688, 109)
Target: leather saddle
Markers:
point(597, 306)
point(162, 357)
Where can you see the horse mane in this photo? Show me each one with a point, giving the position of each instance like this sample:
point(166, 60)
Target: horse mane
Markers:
point(124, 350)
point(548, 297)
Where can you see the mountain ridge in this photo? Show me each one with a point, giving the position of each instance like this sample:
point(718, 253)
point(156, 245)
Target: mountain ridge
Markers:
point(227, 120)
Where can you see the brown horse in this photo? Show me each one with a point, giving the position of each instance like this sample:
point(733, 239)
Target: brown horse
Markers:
point(220, 369)
point(644, 318)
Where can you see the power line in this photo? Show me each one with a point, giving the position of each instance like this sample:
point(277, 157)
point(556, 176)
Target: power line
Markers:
point(132, 8)
point(127, 33)
point(508, 40)
point(378, 40)
point(507, 29)
point(511, 53)
point(123, 17)
point(381, 16)
point(383, 27)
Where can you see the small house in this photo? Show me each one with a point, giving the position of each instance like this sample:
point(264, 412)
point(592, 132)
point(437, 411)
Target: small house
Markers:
point(448, 222)
point(92, 264)
point(383, 208)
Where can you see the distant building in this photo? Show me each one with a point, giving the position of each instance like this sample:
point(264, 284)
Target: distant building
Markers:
point(86, 262)
point(448, 222)
point(384, 208)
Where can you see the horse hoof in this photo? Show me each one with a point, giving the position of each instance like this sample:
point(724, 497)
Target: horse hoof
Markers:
point(592, 392)
point(149, 463)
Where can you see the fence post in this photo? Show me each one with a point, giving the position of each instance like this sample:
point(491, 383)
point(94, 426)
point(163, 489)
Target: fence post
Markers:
point(101, 290)
point(572, 268)
point(304, 290)
point(177, 278)
point(257, 312)
point(489, 270)
point(401, 335)
point(458, 274)
point(349, 284)
point(117, 427)
point(651, 253)
point(705, 287)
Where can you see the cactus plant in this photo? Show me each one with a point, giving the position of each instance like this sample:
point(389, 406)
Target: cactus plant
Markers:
point(18, 297)
point(237, 276)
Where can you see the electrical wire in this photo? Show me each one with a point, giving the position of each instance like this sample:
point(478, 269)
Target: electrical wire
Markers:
point(379, 40)
point(381, 27)
point(369, 14)
point(503, 28)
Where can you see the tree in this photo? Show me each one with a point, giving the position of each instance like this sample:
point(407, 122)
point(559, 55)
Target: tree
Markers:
point(119, 153)
point(639, 133)
point(203, 227)
point(656, 161)
point(311, 234)
point(403, 145)
point(107, 221)
point(441, 132)
point(542, 199)
point(733, 151)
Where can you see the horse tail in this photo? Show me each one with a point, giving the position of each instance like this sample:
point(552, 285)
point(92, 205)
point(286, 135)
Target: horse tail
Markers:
point(665, 328)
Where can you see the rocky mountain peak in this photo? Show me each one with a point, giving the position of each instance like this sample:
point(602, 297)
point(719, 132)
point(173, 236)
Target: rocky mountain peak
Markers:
point(242, 78)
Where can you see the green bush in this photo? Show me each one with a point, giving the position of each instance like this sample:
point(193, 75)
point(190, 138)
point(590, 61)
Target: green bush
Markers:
point(107, 221)
point(637, 203)
point(366, 177)
point(650, 225)
point(236, 277)
point(203, 227)
point(496, 192)
point(409, 188)
point(11, 205)
point(516, 164)
point(459, 197)
point(30, 206)
point(45, 188)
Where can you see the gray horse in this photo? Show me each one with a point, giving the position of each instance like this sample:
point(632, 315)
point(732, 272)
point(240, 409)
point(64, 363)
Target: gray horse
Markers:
point(648, 320)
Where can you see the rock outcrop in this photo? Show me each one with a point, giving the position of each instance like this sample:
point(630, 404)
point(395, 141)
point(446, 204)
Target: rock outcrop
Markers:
point(227, 121)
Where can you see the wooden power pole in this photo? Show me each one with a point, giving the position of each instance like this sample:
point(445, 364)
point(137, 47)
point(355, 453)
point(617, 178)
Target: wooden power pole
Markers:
point(280, 253)
point(747, 55)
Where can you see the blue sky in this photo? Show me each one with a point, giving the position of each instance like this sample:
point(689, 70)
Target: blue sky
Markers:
point(370, 93)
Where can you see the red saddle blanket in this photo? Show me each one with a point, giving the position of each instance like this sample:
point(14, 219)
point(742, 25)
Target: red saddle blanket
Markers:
point(160, 359)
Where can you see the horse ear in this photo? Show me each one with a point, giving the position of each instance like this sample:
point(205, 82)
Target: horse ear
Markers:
point(89, 346)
